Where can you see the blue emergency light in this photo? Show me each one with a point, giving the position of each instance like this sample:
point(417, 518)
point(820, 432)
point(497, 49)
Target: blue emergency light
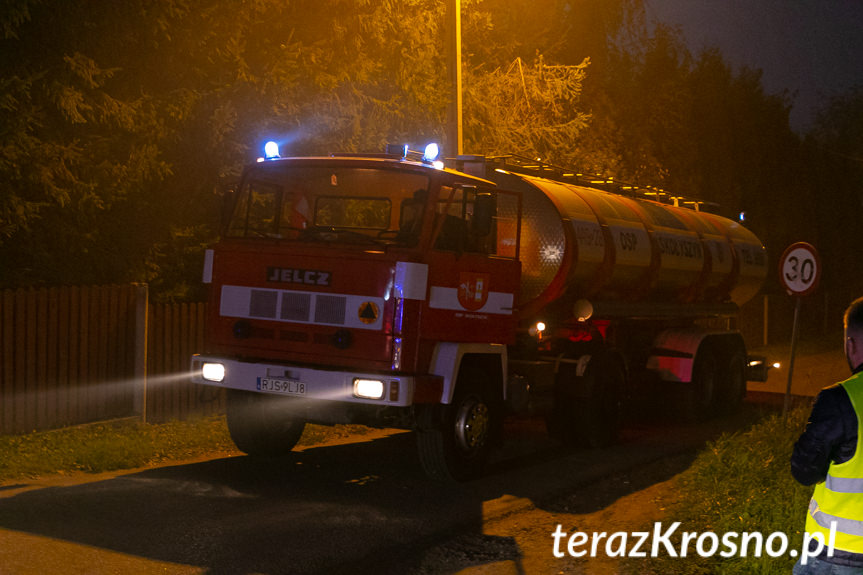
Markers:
point(431, 153)
point(271, 150)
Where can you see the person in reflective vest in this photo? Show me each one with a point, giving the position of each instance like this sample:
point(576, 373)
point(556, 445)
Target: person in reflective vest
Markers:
point(828, 455)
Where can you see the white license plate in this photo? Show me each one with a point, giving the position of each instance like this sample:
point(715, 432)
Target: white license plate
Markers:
point(275, 385)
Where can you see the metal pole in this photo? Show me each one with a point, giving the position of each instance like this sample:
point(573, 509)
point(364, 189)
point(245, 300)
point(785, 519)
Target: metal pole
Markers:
point(794, 331)
point(454, 111)
point(139, 400)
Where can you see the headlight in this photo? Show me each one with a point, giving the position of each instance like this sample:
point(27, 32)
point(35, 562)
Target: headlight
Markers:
point(369, 388)
point(213, 372)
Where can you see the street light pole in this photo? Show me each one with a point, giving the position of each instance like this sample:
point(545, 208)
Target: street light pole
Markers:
point(454, 111)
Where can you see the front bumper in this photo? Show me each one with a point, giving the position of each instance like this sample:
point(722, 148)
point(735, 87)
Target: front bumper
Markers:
point(306, 382)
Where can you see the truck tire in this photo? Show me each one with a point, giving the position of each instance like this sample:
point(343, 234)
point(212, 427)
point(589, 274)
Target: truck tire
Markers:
point(588, 411)
point(455, 441)
point(700, 397)
point(260, 424)
point(734, 383)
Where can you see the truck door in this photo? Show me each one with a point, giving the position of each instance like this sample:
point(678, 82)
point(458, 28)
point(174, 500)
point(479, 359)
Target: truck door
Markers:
point(474, 270)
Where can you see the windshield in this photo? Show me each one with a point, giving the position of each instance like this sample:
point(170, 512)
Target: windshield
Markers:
point(349, 204)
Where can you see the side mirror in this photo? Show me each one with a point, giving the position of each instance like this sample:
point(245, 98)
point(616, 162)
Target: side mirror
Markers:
point(484, 208)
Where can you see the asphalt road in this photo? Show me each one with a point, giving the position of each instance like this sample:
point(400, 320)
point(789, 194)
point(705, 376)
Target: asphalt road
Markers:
point(365, 507)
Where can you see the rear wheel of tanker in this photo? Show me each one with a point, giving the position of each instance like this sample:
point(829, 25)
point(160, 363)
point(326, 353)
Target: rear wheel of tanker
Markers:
point(261, 424)
point(734, 383)
point(454, 441)
point(700, 397)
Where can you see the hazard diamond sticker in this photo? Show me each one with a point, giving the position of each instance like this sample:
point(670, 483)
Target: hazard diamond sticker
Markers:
point(368, 312)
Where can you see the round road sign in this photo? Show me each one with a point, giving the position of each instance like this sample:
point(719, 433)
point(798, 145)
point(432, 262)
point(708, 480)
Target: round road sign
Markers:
point(800, 269)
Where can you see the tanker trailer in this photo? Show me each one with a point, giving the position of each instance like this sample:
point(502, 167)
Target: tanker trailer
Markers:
point(623, 297)
point(392, 291)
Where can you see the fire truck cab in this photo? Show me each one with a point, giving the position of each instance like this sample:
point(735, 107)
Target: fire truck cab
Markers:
point(373, 290)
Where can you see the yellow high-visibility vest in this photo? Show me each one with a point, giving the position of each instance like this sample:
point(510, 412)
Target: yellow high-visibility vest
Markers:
point(839, 499)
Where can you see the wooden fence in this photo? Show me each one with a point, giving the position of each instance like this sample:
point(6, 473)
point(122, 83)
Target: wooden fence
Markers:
point(175, 332)
point(71, 355)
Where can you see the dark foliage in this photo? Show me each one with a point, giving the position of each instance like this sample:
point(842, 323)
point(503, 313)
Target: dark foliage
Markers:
point(121, 123)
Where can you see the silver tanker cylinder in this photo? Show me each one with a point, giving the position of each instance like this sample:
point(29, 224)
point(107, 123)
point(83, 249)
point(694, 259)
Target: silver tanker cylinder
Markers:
point(649, 272)
point(628, 256)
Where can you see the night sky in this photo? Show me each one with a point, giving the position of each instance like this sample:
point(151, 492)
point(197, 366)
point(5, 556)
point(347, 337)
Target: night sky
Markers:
point(812, 48)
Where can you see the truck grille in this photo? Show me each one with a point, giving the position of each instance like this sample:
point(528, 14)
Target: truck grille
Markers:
point(263, 303)
point(296, 306)
point(330, 309)
point(301, 307)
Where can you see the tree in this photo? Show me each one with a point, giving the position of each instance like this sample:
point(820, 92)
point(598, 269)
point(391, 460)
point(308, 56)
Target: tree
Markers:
point(835, 152)
point(119, 123)
point(523, 55)
point(528, 110)
point(73, 147)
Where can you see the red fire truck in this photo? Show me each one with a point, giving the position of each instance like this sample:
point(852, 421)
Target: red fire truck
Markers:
point(392, 291)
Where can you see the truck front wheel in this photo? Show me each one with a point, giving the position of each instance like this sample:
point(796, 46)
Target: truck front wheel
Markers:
point(454, 444)
point(261, 424)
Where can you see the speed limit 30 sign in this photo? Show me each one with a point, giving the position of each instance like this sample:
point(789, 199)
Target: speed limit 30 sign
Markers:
point(800, 269)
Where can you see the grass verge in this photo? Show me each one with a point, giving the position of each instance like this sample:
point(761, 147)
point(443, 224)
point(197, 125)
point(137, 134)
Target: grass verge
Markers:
point(128, 444)
point(741, 483)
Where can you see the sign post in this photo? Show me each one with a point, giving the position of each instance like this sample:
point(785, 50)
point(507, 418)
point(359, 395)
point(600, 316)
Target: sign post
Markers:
point(799, 272)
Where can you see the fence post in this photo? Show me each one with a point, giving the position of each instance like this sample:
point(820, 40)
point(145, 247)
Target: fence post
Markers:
point(139, 403)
